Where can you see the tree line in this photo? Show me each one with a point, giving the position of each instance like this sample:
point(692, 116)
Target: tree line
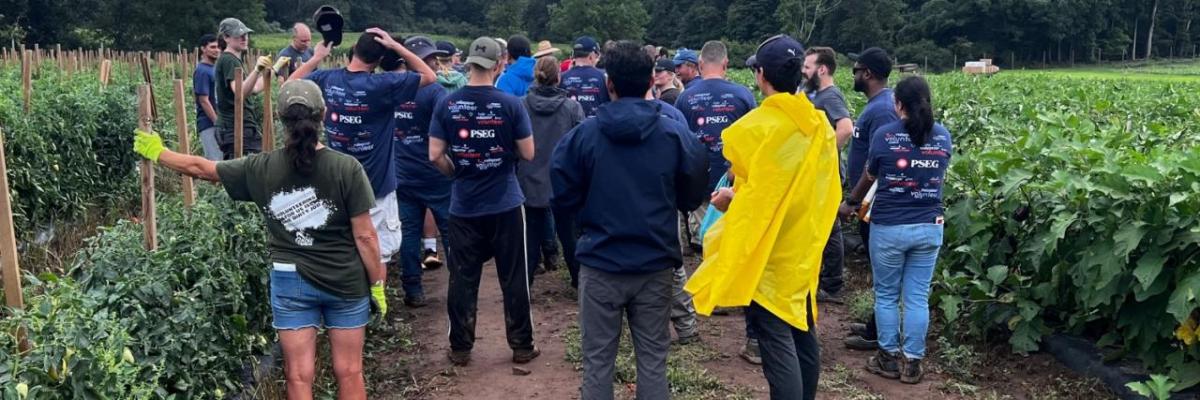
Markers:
point(939, 32)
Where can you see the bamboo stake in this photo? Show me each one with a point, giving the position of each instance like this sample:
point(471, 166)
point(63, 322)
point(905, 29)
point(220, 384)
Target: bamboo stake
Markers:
point(181, 129)
point(149, 216)
point(26, 79)
point(268, 123)
point(13, 295)
point(239, 101)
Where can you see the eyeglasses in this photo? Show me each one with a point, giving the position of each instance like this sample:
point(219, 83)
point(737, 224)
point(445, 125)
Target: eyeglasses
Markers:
point(856, 70)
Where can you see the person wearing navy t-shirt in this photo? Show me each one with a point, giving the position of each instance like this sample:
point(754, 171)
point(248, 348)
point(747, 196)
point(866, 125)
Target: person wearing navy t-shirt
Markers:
point(419, 185)
point(476, 135)
point(584, 81)
point(204, 87)
point(359, 117)
point(908, 161)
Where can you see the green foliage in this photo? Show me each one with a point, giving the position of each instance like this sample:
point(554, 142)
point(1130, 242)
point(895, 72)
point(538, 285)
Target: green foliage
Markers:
point(618, 19)
point(507, 17)
point(189, 315)
point(70, 154)
point(1157, 388)
point(1073, 212)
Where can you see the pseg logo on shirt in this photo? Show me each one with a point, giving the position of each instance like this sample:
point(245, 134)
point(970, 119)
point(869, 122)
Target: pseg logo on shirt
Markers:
point(477, 133)
point(345, 119)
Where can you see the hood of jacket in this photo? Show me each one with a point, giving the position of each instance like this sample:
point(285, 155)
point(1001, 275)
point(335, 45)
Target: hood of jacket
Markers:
point(628, 120)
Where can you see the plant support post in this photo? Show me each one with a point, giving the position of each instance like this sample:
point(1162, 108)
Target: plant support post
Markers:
point(145, 123)
point(13, 297)
point(189, 195)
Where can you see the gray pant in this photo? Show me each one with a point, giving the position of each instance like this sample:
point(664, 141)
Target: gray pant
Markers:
point(643, 299)
point(683, 312)
point(212, 149)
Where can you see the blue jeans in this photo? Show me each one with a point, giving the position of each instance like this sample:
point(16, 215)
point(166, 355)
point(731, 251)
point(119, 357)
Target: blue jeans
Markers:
point(413, 202)
point(902, 261)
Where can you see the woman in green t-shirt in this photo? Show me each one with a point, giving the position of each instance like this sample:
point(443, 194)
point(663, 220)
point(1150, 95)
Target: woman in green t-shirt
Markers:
point(324, 249)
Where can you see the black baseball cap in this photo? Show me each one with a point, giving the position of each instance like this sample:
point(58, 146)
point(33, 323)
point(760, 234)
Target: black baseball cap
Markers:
point(875, 60)
point(776, 51)
point(664, 65)
point(447, 47)
point(585, 45)
point(423, 47)
point(329, 22)
point(518, 46)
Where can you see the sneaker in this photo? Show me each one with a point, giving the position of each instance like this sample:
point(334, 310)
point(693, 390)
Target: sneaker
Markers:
point(826, 297)
point(859, 329)
point(432, 261)
point(912, 373)
point(856, 342)
point(884, 364)
point(550, 262)
point(459, 358)
point(686, 340)
point(525, 356)
point(416, 301)
point(750, 353)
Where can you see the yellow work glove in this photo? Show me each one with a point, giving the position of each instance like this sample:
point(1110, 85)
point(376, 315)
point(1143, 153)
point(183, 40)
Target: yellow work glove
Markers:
point(147, 144)
point(264, 62)
point(380, 298)
point(280, 63)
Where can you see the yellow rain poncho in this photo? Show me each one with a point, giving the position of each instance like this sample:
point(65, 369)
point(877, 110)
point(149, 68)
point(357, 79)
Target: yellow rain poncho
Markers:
point(767, 248)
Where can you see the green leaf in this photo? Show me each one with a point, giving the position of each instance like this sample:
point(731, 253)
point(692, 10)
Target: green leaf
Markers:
point(1183, 300)
point(1141, 173)
point(1128, 238)
point(950, 306)
point(997, 274)
point(1148, 268)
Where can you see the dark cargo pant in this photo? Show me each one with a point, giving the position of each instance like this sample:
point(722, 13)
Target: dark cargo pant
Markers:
point(476, 240)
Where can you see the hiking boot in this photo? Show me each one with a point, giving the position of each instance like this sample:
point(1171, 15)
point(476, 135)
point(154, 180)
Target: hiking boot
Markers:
point(856, 342)
point(884, 364)
point(750, 353)
point(860, 329)
point(416, 301)
point(550, 261)
point(432, 261)
point(525, 356)
point(459, 358)
point(826, 297)
point(689, 339)
point(912, 373)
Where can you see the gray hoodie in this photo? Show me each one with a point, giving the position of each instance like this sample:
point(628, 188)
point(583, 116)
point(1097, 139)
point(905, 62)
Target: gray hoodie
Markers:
point(552, 114)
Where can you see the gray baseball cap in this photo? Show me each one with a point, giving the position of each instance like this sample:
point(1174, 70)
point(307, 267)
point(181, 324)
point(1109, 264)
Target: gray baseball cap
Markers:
point(301, 91)
point(484, 52)
point(233, 27)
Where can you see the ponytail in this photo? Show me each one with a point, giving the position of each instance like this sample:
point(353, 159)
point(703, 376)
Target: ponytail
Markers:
point(913, 93)
point(303, 127)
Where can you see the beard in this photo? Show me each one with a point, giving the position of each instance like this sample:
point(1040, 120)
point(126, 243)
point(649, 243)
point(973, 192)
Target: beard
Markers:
point(860, 85)
point(811, 83)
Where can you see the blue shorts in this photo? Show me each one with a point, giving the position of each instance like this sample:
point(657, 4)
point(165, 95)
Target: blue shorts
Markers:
point(297, 304)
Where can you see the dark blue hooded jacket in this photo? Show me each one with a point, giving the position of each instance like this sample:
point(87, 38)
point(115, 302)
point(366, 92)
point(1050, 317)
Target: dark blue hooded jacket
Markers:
point(626, 174)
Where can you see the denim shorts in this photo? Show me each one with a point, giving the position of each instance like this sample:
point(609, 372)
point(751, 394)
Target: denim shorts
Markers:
point(297, 304)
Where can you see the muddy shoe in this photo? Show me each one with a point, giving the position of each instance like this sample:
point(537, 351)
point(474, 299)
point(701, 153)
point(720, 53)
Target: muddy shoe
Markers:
point(912, 372)
point(860, 329)
point(550, 261)
point(750, 352)
point(826, 297)
point(459, 358)
point(432, 261)
point(686, 340)
point(417, 301)
point(855, 342)
point(885, 365)
point(525, 356)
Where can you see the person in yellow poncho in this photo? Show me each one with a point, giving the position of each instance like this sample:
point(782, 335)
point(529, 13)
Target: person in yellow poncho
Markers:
point(765, 253)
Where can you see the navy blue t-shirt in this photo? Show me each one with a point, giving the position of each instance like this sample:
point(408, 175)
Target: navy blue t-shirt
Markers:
point(413, 169)
point(588, 86)
point(910, 178)
point(204, 81)
point(670, 112)
point(481, 126)
point(359, 118)
point(880, 111)
point(710, 106)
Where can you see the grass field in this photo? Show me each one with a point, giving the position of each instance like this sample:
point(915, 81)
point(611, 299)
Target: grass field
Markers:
point(1159, 71)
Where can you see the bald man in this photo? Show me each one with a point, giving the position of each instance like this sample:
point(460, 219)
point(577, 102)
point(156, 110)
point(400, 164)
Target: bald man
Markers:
point(299, 51)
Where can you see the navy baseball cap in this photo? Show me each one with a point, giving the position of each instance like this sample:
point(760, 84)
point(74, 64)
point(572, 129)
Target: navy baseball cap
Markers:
point(685, 55)
point(447, 47)
point(585, 45)
point(752, 62)
point(876, 60)
point(776, 51)
point(664, 65)
point(423, 47)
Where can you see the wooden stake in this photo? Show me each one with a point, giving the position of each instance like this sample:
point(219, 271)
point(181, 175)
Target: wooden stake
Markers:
point(181, 129)
point(239, 102)
point(13, 297)
point(149, 216)
point(268, 123)
point(105, 71)
point(148, 79)
point(27, 79)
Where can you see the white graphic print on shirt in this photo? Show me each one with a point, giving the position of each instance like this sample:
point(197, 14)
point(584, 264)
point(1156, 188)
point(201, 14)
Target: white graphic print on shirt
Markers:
point(300, 210)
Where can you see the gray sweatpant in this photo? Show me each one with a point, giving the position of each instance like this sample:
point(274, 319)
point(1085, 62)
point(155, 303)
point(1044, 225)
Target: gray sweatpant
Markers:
point(683, 312)
point(643, 299)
